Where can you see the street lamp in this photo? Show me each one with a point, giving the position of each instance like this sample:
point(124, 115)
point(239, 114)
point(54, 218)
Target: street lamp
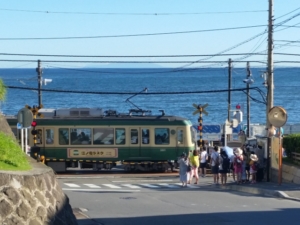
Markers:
point(249, 80)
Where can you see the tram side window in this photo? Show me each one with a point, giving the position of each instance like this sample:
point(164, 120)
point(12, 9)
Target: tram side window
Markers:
point(49, 136)
point(81, 136)
point(134, 136)
point(39, 136)
point(162, 136)
point(63, 136)
point(103, 136)
point(120, 136)
point(145, 136)
point(180, 136)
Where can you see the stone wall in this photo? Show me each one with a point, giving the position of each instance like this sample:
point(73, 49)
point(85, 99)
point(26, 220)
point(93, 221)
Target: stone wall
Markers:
point(33, 198)
point(290, 174)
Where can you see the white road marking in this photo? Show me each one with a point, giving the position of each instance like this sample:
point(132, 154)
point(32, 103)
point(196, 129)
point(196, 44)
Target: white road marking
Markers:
point(130, 186)
point(168, 185)
point(189, 185)
point(99, 190)
point(71, 185)
point(111, 186)
point(123, 181)
point(149, 185)
point(92, 186)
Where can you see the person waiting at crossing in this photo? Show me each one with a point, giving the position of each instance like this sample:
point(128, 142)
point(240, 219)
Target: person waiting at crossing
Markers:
point(224, 166)
point(194, 162)
point(237, 164)
point(203, 160)
point(214, 162)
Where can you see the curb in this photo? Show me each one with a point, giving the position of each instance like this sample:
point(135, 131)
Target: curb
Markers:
point(260, 191)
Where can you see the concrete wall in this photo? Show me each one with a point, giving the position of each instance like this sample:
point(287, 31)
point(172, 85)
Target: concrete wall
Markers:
point(290, 174)
point(33, 198)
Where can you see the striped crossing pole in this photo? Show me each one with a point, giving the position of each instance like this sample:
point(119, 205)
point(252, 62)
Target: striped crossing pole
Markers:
point(200, 127)
point(200, 109)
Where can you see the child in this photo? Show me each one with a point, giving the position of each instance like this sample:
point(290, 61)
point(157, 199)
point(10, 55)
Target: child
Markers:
point(253, 167)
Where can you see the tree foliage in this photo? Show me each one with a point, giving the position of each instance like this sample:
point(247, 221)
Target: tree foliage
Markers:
point(2, 90)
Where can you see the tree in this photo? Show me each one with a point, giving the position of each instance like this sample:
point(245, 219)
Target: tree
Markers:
point(2, 91)
point(4, 127)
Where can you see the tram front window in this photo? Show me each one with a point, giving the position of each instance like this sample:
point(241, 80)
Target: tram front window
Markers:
point(180, 136)
point(120, 136)
point(162, 136)
point(193, 135)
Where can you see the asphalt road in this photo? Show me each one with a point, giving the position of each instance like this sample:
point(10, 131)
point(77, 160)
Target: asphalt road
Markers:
point(161, 200)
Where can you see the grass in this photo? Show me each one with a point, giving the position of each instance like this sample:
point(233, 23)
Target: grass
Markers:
point(11, 155)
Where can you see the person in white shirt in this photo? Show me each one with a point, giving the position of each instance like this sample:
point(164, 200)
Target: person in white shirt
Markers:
point(203, 160)
point(214, 162)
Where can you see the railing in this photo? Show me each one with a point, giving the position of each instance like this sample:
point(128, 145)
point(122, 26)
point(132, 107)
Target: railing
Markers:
point(296, 157)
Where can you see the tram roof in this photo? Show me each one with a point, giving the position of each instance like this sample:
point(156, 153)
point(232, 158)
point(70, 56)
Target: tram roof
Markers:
point(95, 116)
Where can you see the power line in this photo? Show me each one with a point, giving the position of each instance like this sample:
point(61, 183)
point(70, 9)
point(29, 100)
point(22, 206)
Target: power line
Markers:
point(132, 71)
point(79, 61)
point(131, 35)
point(129, 93)
point(124, 56)
point(288, 13)
point(131, 14)
point(143, 56)
point(289, 41)
point(148, 93)
point(246, 41)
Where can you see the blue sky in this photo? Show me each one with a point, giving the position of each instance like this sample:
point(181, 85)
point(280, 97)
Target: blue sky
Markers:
point(87, 18)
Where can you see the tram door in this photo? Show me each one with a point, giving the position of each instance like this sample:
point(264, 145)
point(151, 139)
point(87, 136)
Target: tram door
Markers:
point(179, 141)
point(140, 142)
point(135, 142)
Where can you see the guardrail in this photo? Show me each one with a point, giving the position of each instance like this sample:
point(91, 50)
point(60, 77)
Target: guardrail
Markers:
point(296, 157)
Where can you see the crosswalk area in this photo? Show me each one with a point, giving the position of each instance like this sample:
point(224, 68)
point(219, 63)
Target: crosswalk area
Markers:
point(127, 186)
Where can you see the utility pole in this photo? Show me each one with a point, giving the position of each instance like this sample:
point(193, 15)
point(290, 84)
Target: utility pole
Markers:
point(229, 88)
point(270, 83)
point(39, 71)
point(248, 100)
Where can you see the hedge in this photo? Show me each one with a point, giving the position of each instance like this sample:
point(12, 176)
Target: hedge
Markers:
point(291, 143)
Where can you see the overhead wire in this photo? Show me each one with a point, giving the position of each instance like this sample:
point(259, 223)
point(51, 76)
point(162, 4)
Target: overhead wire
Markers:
point(142, 56)
point(130, 35)
point(131, 14)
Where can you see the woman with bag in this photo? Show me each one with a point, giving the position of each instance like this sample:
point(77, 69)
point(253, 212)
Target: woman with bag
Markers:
point(194, 162)
point(237, 164)
point(183, 169)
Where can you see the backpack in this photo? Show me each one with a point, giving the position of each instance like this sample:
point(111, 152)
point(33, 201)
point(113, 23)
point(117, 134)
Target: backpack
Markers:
point(225, 163)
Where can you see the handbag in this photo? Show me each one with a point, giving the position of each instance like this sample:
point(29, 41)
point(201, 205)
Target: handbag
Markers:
point(189, 168)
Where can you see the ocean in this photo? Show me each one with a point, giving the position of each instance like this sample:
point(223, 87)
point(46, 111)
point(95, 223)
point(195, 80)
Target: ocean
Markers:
point(171, 90)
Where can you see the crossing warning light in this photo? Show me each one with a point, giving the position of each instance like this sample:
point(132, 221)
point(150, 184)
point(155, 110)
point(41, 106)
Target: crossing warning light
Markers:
point(238, 106)
point(34, 131)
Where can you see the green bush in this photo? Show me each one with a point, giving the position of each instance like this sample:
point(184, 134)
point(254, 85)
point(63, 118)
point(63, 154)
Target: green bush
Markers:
point(11, 155)
point(291, 143)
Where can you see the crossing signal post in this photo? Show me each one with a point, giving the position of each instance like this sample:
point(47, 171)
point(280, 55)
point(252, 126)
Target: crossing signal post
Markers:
point(34, 131)
point(35, 150)
point(200, 109)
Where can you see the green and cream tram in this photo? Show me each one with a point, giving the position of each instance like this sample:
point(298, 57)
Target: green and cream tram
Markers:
point(91, 138)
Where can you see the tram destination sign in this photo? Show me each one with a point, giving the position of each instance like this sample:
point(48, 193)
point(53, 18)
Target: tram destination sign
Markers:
point(92, 153)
